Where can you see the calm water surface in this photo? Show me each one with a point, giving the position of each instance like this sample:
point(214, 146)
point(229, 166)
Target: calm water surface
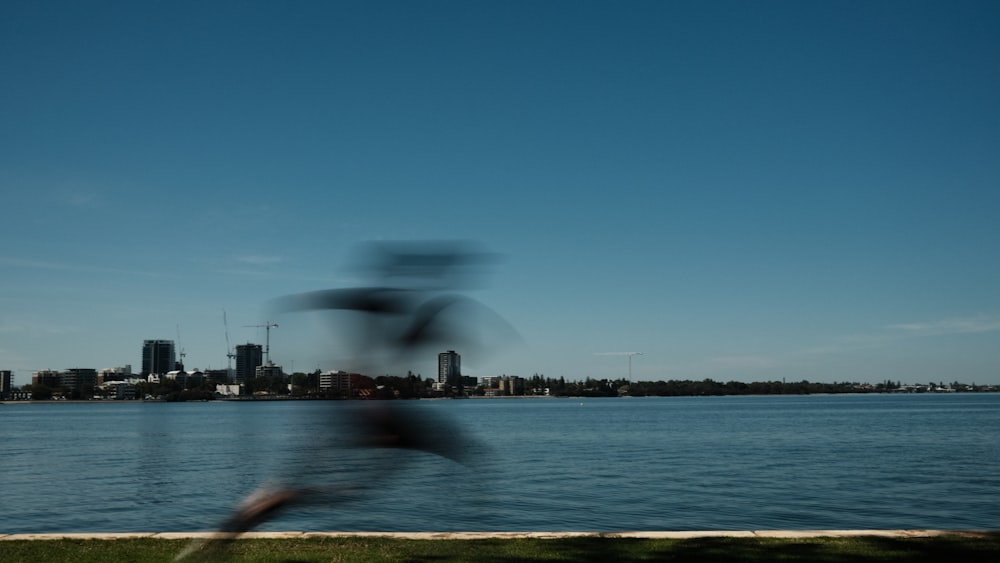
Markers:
point(705, 463)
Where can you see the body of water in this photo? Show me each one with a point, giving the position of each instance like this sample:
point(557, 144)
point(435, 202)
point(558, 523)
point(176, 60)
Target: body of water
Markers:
point(685, 463)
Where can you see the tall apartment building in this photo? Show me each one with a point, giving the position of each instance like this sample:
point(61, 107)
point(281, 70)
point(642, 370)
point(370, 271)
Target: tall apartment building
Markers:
point(158, 357)
point(510, 385)
point(450, 368)
point(46, 378)
point(248, 358)
point(6, 380)
point(79, 379)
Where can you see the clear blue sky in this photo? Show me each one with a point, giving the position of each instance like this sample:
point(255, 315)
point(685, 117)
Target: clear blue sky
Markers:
point(739, 190)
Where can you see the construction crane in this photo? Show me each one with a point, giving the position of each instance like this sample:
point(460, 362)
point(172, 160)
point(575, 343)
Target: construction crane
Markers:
point(267, 348)
point(229, 349)
point(629, 354)
point(181, 354)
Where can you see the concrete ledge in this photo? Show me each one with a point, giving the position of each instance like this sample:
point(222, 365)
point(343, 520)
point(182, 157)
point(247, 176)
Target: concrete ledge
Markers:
point(272, 535)
point(78, 536)
point(453, 535)
point(184, 535)
point(856, 533)
point(682, 535)
point(785, 534)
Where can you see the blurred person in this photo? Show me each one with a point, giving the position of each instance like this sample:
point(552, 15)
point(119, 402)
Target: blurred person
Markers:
point(410, 309)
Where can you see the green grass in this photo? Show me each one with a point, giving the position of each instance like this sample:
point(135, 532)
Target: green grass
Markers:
point(586, 549)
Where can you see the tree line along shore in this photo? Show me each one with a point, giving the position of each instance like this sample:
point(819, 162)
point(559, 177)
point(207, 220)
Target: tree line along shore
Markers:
point(413, 386)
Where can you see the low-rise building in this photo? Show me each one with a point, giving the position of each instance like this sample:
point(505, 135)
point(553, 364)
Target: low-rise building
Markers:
point(186, 379)
point(269, 370)
point(120, 390)
point(345, 384)
point(217, 376)
point(229, 390)
point(114, 374)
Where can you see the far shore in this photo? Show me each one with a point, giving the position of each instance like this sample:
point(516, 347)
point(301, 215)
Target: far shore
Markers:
point(269, 399)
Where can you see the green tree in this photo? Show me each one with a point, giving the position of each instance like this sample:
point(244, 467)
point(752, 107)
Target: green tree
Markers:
point(262, 383)
point(279, 386)
point(40, 393)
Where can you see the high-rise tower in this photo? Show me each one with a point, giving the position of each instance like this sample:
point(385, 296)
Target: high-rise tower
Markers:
point(450, 368)
point(248, 357)
point(158, 357)
point(6, 382)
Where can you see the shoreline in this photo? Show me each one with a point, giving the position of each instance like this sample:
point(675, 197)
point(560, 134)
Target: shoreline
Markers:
point(512, 397)
point(780, 534)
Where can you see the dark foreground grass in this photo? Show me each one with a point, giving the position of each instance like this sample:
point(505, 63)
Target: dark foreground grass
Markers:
point(587, 549)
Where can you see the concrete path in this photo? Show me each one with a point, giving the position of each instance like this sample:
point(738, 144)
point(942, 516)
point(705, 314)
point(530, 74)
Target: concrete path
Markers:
point(512, 535)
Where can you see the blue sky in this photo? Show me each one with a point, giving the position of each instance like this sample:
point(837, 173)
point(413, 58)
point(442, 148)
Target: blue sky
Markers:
point(739, 190)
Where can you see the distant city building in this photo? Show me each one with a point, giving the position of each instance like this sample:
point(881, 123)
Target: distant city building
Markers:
point(114, 374)
point(158, 357)
point(248, 357)
point(510, 385)
point(228, 390)
point(79, 380)
point(196, 376)
point(449, 368)
point(46, 378)
point(269, 370)
point(344, 384)
point(6, 383)
point(217, 376)
point(120, 390)
point(187, 379)
point(336, 381)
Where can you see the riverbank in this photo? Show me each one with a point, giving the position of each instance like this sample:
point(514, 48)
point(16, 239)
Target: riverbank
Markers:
point(745, 546)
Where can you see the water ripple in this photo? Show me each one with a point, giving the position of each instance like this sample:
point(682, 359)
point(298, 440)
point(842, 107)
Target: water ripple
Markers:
point(547, 464)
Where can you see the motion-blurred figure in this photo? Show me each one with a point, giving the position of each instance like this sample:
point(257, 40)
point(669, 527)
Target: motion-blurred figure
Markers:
point(409, 310)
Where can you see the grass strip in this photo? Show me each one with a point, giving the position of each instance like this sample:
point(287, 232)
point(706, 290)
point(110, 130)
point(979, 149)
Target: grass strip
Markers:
point(585, 549)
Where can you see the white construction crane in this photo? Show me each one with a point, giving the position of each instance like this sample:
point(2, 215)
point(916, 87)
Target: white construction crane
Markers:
point(629, 354)
point(181, 354)
point(229, 349)
point(267, 348)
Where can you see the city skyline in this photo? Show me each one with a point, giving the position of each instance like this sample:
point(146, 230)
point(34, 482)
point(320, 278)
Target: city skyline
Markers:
point(741, 191)
point(250, 361)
